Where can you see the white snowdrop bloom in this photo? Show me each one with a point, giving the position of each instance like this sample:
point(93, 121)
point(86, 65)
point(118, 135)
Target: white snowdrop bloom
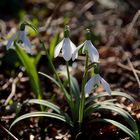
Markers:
point(97, 79)
point(67, 49)
point(92, 51)
point(22, 38)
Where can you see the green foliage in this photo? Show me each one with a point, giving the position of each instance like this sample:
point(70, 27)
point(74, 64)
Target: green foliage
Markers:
point(67, 96)
point(52, 46)
point(42, 114)
point(81, 107)
point(114, 108)
point(105, 105)
point(30, 66)
point(119, 125)
point(114, 93)
point(132, 131)
point(50, 78)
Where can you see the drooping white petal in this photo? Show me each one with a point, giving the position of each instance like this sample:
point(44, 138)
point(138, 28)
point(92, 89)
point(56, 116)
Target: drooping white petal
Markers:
point(11, 41)
point(27, 43)
point(92, 51)
point(105, 85)
point(90, 84)
point(75, 53)
point(58, 48)
point(73, 47)
point(67, 49)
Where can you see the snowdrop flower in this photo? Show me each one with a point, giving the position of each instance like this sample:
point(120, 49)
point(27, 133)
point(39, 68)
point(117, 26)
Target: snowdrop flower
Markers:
point(89, 47)
point(67, 47)
point(97, 79)
point(21, 37)
point(92, 51)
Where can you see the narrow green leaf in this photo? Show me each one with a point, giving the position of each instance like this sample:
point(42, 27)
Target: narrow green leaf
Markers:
point(28, 63)
point(75, 88)
point(114, 93)
point(51, 78)
point(49, 105)
point(93, 106)
point(42, 114)
point(112, 107)
point(109, 101)
point(76, 94)
point(53, 43)
point(45, 103)
point(119, 125)
point(121, 111)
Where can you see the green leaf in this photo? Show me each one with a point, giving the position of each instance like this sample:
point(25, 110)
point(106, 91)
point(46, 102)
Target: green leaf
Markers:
point(45, 103)
point(42, 114)
point(91, 107)
point(109, 101)
point(51, 78)
point(30, 67)
point(119, 125)
point(112, 107)
point(76, 93)
point(75, 88)
point(49, 105)
point(113, 93)
point(52, 46)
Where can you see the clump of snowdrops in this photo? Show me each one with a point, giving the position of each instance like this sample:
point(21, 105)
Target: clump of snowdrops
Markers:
point(80, 100)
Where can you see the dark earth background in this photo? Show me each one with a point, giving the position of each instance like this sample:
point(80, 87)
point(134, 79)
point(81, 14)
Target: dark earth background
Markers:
point(116, 35)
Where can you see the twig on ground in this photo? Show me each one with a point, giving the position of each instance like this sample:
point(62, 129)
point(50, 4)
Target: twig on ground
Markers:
point(127, 67)
point(6, 84)
point(134, 71)
point(85, 6)
point(8, 117)
point(8, 132)
point(48, 21)
point(13, 91)
point(129, 29)
point(131, 66)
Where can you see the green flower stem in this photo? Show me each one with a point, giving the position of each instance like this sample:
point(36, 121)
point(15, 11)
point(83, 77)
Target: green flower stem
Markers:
point(22, 27)
point(66, 32)
point(24, 24)
point(69, 80)
point(82, 101)
point(67, 96)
